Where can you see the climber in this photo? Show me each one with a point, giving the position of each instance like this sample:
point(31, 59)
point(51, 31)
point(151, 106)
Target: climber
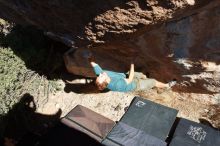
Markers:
point(115, 81)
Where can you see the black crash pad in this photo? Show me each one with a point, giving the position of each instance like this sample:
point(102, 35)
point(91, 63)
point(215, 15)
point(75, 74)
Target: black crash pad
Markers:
point(189, 133)
point(143, 117)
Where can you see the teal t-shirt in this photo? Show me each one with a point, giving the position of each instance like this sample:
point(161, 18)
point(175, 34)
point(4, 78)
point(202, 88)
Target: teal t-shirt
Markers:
point(117, 82)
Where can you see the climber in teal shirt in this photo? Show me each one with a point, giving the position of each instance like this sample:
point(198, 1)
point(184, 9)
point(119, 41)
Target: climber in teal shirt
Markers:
point(113, 81)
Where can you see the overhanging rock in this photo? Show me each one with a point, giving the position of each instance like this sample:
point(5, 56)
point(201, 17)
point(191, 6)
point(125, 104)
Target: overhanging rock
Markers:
point(170, 38)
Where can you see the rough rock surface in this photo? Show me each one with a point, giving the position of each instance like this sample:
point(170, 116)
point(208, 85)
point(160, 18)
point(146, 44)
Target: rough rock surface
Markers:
point(175, 38)
point(96, 21)
point(186, 49)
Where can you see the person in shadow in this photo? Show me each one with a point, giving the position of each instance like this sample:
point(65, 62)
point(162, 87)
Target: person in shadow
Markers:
point(23, 124)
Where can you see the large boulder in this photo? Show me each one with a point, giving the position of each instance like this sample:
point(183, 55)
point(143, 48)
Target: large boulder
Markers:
point(165, 39)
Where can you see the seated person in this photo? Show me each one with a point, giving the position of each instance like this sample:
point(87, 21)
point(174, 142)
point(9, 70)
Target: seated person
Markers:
point(115, 81)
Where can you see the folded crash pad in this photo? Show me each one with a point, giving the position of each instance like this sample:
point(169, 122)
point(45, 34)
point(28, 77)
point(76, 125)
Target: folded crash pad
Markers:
point(189, 133)
point(63, 135)
point(89, 122)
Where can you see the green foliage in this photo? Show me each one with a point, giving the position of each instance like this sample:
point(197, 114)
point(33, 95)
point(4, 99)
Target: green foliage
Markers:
point(26, 56)
point(5, 28)
point(12, 70)
point(16, 80)
point(28, 64)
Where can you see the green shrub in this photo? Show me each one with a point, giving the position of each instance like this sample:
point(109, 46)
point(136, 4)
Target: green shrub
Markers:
point(27, 60)
point(12, 71)
point(16, 80)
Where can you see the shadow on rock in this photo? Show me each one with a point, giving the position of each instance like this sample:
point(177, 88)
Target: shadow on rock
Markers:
point(79, 84)
point(193, 87)
point(23, 122)
point(86, 88)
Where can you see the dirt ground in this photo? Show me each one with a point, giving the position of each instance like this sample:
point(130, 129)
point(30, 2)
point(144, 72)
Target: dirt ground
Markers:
point(196, 107)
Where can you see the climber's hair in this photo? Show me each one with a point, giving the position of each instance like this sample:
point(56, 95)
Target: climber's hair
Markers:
point(101, 86)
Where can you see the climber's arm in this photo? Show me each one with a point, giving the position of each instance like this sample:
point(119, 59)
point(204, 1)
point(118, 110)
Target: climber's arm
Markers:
point(131, 74)
point(97, 69)
point(93, 63)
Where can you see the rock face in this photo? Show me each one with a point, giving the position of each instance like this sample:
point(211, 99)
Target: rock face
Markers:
point(166, 39)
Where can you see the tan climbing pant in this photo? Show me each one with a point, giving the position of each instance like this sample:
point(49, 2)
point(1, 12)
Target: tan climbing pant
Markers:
point(142, 82)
